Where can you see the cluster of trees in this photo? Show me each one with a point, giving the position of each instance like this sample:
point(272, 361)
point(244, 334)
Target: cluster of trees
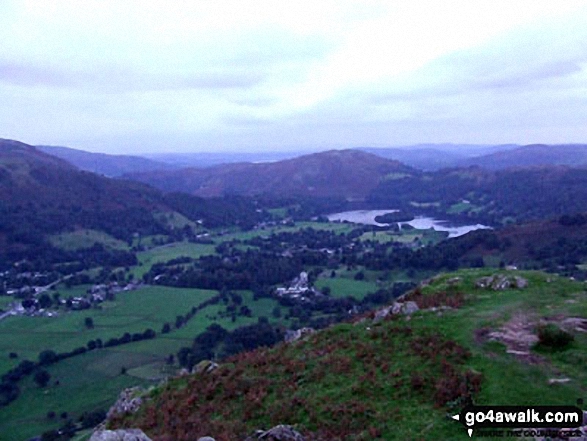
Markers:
point(242, 270)
point(216, 342)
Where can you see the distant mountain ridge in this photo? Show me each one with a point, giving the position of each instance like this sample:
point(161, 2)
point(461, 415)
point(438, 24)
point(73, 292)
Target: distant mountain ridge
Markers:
point(432, 157)
point(350, 174)
point(105, 164)
point(572, 155)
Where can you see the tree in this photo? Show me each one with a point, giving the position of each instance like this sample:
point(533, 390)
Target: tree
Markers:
point(42, 377)
point(47, 357)
point(89, 322)
point(45, 301)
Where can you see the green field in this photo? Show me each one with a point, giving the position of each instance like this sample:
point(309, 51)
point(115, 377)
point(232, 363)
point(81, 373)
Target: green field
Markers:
point(93, 380)
point(164, 253)
point(406, 236)
point(337, 227)
point(85, 239)
point(131, 312)
point(176, 220)
point(344, 287)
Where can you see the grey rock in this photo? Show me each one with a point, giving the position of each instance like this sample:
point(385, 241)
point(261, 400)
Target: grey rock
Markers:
point(382, 314)
point(405, 308)
point(409, 308)
point(206, 438)
point(298, 334)
point(278, 433)
point(205, 367)
point(500, 282)
point(396, 308)
point(483, 282)
point(521, 283)
point(120, 435)
point(129, 401)
point(454, 281)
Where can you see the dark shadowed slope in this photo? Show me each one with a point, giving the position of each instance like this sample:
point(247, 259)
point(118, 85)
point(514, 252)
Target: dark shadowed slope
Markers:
point(42, 195)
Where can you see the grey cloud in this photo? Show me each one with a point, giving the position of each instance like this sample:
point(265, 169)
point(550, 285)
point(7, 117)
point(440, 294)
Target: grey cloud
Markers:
point(28, 75)
point(521, 61)
point(119, 80)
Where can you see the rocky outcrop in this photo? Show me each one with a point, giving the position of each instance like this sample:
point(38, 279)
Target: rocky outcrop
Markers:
point(129, 401)
point(298, 334)
point(500, 282)
point(205, 367)
point(405, 308)
point(278, 433)
point(120, 435)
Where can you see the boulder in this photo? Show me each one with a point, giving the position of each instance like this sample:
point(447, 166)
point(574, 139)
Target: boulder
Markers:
point(520, 282)
point(405, 308)
point(120, 435)
point(205, 367)
point(206, 438)
point(454, 281)
point(499, 282)
point(382, 314)
point(129, 401)
point(409, 308)
point(278, 433)
point(298, 334)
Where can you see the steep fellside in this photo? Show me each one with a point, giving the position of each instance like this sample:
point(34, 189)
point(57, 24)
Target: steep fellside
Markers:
point(478, 335)
point(346, 173)
point(41, 195)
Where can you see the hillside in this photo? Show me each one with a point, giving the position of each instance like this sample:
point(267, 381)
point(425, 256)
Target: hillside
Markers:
point(478, 334)
point(104, 164)
point(347, 173)
point(496, 197)
point(17, 157)
point(573, 155)
point(42, 195)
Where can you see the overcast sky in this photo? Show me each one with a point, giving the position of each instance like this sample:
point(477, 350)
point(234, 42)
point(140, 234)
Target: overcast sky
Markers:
point(148, 75)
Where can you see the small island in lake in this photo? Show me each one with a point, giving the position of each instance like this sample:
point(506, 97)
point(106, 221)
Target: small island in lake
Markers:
point(396, 216)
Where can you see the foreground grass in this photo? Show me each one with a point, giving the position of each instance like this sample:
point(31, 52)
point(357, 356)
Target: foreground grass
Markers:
point(396, 379)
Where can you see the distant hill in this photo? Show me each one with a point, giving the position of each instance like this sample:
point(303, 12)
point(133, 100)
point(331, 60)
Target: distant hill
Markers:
point(573, 155)
point(104, 164)
point(350, 174)
point(430, 157)
point(209, 159)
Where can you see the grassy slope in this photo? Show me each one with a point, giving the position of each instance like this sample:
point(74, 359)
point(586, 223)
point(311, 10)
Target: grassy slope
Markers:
point(93, 380)
point(85, 238)
point(355, 381)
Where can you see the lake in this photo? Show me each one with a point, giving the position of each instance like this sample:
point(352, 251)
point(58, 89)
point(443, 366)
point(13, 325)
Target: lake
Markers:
point(367, 217)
